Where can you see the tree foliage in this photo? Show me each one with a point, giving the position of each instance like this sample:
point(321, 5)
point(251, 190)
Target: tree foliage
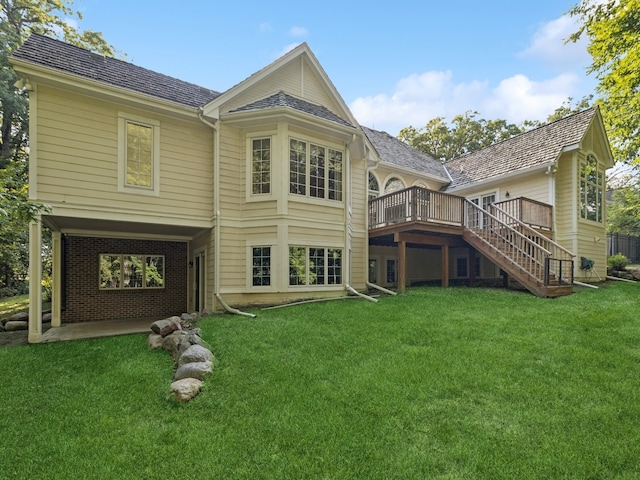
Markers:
point(613, 28)
point(18, 19)
point(623, 213)
point(466, 133)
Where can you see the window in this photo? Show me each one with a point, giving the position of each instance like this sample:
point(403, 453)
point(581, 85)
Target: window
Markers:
point(462, 267)
point(373, 270)
point(315, 266)
point(261, 266)
point(138, 155)
point(261, 166)
point(391, 271)
point(393, 185)
point(374, 187)
point(591, 190)
point(122, 272)
point(315, 170)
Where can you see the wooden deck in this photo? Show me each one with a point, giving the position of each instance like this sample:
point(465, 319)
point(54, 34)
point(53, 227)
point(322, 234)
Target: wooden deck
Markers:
point(508, 233)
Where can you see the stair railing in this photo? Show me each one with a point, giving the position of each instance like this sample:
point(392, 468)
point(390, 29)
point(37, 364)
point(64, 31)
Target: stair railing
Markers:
point(559, 263)
point(521, 250)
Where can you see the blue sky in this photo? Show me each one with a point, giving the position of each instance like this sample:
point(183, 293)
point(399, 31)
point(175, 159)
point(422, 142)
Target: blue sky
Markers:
point(394, 63)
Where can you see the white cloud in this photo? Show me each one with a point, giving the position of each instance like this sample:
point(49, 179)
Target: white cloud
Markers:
point(298, 32)
point(549, 44)
point(419, 98)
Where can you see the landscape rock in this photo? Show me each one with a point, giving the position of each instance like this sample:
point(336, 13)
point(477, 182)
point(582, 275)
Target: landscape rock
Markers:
point(3, 321)
point(154, 341)
point(171, 343)
point(635, 274)
point(186, 388)
point(197, 370)
point(19, 317)
point(195, 353)
point(166, 326)
point(46, 317)
point(15, 325)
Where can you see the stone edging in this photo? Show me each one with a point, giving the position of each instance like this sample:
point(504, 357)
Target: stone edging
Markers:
point(192, 359)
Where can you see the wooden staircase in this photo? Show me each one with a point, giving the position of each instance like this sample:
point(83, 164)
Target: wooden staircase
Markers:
point(532, 259)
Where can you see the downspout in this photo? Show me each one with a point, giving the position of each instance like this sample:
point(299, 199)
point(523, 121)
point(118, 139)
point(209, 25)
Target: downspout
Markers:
point(347, 226)
point(216, 206)
point(367, 170)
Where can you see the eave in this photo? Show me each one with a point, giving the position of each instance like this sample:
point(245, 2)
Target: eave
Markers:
point(101, 90)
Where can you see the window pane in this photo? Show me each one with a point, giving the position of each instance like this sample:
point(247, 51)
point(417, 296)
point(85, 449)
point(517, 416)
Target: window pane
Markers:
point(154, 271)
point(373, 277)
point(139, 154)
point(110, 270)
point(373, 183)
point(261, 165)
point(393, 185)
point(316, 266)
point(316, 171)
point(132, 271)
point(261, 266)
point(334, 266)
point(297, 266)
point(297, 167)
point(335, 175)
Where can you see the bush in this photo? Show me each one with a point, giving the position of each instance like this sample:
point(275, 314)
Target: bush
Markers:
point(618, 262)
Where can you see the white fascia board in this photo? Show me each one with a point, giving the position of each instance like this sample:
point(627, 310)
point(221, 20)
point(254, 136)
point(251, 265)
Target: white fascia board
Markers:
point(501, 178)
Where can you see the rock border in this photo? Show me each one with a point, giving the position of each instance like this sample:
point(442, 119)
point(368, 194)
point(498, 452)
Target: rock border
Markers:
point(193, 361)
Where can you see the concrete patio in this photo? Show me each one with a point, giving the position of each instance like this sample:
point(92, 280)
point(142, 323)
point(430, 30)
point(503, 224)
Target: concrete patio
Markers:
point(107, 328)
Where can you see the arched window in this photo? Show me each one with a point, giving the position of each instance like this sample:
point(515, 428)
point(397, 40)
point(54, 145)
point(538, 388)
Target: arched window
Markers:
point(374, 188)
point(591, 189)
point(394, 184)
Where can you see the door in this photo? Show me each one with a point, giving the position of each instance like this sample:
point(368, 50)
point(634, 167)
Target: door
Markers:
point(199, 282)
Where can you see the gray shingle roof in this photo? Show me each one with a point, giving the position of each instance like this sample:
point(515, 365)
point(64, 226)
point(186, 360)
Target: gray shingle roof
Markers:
point(391, 150)
point(539, 146)
point(282, 99)
point(55, 54)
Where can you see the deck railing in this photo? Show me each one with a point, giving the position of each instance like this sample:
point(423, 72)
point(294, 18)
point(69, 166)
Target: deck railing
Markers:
point(533, 213)
point(415, 204)
point(533, 253)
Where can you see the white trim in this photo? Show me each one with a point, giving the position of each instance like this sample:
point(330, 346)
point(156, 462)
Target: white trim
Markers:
point(258, 197)
point(250, 287)
point(123, 119)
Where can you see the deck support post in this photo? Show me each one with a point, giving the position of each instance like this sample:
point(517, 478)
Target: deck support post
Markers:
point(402, 266)
point(445, 266)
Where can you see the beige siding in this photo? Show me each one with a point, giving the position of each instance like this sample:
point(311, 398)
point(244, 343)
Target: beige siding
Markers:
point(296, 79)
point(78, 158)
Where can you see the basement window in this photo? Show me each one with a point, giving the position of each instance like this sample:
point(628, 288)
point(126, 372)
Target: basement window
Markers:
point(125, 272)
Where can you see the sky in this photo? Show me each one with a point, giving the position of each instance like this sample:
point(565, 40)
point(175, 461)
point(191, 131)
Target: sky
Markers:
point(395, 64)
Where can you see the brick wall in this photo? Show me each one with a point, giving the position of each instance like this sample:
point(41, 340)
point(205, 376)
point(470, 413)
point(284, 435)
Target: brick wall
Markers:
point(84, 301)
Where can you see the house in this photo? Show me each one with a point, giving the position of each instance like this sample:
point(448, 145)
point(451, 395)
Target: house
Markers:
point(165, 196)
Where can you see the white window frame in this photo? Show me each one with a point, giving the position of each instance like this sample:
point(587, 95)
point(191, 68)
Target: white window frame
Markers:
point(123, 120)
point(272, 276)
point(250, 196)
point(600, 186)
point(325, 284)
point(328, 146)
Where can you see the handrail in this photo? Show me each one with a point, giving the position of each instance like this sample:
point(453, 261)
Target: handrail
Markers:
point(533, 231)
point(529, 211)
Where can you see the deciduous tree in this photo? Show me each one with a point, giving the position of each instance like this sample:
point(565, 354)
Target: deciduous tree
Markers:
point(613, 28)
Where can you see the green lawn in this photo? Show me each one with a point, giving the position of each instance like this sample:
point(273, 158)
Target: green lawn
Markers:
point(437, 383)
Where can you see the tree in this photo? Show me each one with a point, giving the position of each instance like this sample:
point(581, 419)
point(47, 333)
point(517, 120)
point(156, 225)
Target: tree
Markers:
point(18, 19)
point(623, 214)
point(613, 28)
point(568, 107)
point(465, 134)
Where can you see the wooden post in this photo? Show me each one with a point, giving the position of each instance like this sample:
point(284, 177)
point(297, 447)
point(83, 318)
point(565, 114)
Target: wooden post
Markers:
point(402, 266)
point(445, 266)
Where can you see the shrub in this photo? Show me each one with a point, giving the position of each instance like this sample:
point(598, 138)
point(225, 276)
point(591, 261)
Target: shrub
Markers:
point(617, 262)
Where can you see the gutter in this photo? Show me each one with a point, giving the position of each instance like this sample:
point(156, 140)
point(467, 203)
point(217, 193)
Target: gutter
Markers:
point(355, 292)
point(382, 289)
point(216, 204)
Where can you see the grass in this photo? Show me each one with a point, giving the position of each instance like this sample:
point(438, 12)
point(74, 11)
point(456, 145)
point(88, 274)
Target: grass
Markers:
point(437, 383)
point(19, 303)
